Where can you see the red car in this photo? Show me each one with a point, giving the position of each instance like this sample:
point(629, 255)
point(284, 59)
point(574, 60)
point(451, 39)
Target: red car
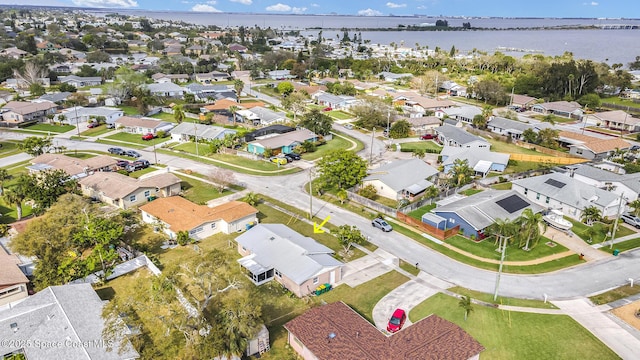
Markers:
point(397, 320)
point(92, 125)
point(427, 137)
point(327, 109)
point(148, 136)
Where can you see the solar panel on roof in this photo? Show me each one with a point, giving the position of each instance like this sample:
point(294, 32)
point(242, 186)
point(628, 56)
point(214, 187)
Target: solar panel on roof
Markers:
point(512, 204)
point(555, 183)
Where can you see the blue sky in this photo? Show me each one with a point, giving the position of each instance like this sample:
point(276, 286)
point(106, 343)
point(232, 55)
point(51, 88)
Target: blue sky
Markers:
point(506, 8)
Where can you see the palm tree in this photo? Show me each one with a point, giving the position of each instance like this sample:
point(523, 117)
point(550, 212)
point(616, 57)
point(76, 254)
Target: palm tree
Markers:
point(635, 205)
point(503, 228)
point(460, 172)
point(178, 114)
point(531, 224)
point(431, 192)
point(15, 196)
point(590, 214)
point(4, 176)
point(238, 85)
point(233, 109)
point(252, 199)
point(342, 195)
point(466, 304)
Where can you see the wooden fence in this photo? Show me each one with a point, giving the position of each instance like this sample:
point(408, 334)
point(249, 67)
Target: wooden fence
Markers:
point(547, 159)
point(433, 231)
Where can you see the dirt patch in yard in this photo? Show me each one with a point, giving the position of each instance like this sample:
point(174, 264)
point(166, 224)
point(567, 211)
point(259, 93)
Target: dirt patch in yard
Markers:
point(628, 314)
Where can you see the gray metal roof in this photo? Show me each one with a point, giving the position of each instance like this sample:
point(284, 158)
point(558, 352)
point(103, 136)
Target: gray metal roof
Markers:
point(574, 193)
point(277, 246)
point(472, 155)
point(632, 181)
point(513, 126)
point(403, 174)
point(266, 115)
point(203, 131)
point(481, 210)
point(60, 314)
point(458, 135)
point(55, 97)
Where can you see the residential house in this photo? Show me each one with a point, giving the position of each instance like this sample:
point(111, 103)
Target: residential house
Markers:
point(14, 52)
point(125, 192)
point(481, 160)
point(281, 143)
point(211, 77)
point(280, 75)
point(58, 98)
point(617, 120)
point(80, 81)
point(47, 46)
point(167, 90)
point(333, 101)
point(79, 114)
point(336, 332)
point(393, 77)
point(475, 213)
point(570, 195)
point(217, 92)
point(69, 319)
point(276, 252)
point(16, 113)
point(173, 49)
point(453, 89)
point(463, 114)
point(424, 124)
point(74, 167)
point(625, 185)
point(454, 136)
point(194, 50)
point(161, 78)
point(188, 131)
point(261, 116)
point(522, 101)
point(419, 106)
point(13, 282)
point(590, 147)
point(559, 108)
point(513, 128)
point(19, 84)
point(142, 125)
point(237, 47)
point(177, 214)
point(265, 131)
point(401, 179)
point(222, 106)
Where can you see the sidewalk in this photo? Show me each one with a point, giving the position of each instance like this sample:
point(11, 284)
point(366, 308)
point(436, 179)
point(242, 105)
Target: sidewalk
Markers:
point(575, 244)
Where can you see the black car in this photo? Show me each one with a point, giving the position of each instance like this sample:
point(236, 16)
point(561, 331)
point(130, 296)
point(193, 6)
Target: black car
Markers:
point(116, 151)
point(132, 153)
point(292, 156)
point(144, 163)
point(122, 163)
point(635, 148)
point(134, 167)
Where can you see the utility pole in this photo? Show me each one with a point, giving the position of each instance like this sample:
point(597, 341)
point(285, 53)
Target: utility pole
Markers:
point(373, 133)
point(586, 119)
point(195, 134)
point(504, 249)
point(615, 224)
point(310, 193)
point(625, 122)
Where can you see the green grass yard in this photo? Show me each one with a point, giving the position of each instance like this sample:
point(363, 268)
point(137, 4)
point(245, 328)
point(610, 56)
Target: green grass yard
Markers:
point(488, 298)
point(581, 229)
point(8, 148)
point(136, 139)
point(615, 294)
point(502, 186)
point(58, 129)
point(503, 147)
point(487, 249)
point(514, 335)
point(96, 131)
point(198, 191)
point(340, 115)
point(417, 213)
point(421, 145)
point(625, 245)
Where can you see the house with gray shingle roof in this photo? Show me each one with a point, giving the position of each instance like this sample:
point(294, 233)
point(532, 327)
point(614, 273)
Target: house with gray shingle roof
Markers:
point(70, 315)
point(481, 160)
point(454, 136)
point(464, 114)
point(261, 116)
point(559, 108)
point(627, 185)
point(513, 128)
point(276, 252)
point(187, 131)
point(79, 81)
point(567, 194)
point(401, 178)
point(477, 212)
point(168, 90)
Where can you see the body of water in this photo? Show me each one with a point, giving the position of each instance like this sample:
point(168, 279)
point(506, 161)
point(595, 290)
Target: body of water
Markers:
point(610, 46)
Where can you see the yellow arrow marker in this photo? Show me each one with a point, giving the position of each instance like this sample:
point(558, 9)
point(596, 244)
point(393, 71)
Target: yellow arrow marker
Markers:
point(317, 229)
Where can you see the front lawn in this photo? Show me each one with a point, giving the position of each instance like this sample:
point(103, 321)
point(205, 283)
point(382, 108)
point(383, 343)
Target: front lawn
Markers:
point(199, 192)
point(554, 119)
point(417, 213)
point(427, 145)
point(509, 148)
point(487, 249)
point(626, 245)
point(99, 130)
point(58, 129)
point(340, 115)
point(136, 139)
point(190, 147)
point(337, 143)
point(129, 110)
point(8, 148)
point(515, 335)
point(138, 173)
point(601, 229)
point(502, 186)
point(488, 298)
point(364, 297)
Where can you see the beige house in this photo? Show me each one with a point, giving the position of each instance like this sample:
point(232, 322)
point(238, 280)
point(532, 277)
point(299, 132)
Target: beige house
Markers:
point(177, 214)
point(124, 192)
point(74, 167)
point(617, 120)
point(19, 112)
point(13, 283)
point(276, 252)
point(142, 125)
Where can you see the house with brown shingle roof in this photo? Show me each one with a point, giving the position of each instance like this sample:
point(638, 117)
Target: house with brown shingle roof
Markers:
point(177, 214)
point(559, 108)
point(125, 192)
point(21, 112)
point(74, 167)
point(617, 120)
point(590, 147)
point(13, 282)
point(522, 101)
point(336, 332)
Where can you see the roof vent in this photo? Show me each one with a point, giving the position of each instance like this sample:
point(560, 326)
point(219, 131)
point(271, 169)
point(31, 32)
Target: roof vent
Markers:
point(331, 336)
point(14, 327)
point(272, 238)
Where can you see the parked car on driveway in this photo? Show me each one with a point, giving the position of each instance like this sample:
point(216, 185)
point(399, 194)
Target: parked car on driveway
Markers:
point(327, 109)
point(292, 156)
point(278, 160)
point(144, 163)
point(134, 167)
point(631, 219)
point(397, 321)
point(92, 125)
point(122, 163)
point(426, 137)
point(111, 126)
point(132, 153)
point(116, 151)
point(381, 224)
point(148, 136)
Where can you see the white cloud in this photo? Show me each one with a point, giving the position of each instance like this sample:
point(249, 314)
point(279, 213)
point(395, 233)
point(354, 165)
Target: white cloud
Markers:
point(369, 12)
point(204, 8)
point(107, 3)
point(243, 2)
point(298, 10)
point(315, 5)
point(593, 3)
point(211, 2)
point(279, 7)
point(421, 7)
point(395, 6)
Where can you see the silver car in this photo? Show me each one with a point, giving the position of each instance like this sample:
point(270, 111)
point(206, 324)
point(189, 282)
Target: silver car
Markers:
point(381, 224)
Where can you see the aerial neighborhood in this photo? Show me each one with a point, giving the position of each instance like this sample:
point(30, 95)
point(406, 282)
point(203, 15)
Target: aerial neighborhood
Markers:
point(170, 190)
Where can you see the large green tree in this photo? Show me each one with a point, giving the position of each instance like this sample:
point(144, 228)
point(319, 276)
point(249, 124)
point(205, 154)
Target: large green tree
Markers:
point(341, 169)
point(348, 235)
point(373, 112)
point(460, 173)
point(36, 145)
point(47, 186)
point(532, 227)
point(316, 121)
point(400, 129)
